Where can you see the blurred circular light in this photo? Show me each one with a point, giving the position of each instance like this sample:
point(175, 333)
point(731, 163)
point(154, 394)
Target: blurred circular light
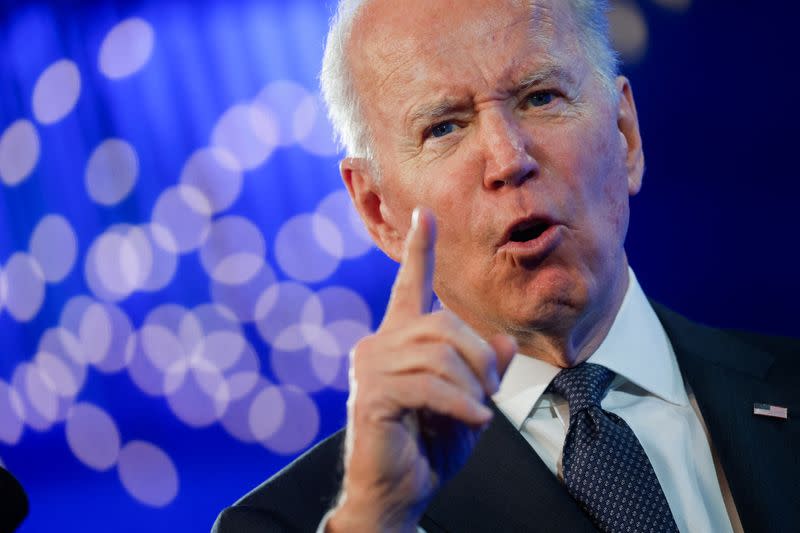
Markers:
point(355, 240)
point(222, 349)
point(299, 252)
point(161, 346)
point(331, 366)
point(19, 152)
point(236, 419)
point(241, 299)
point(299, 426)
point(126, 48)
point(92, 436)
point(216, 173)
point(54, 246)
point(144, 373)
point(295, 368)
point(190, 400)
point(341, 303)
point(61, 360)
point(3, 288)
point(243, 375)
point(165, 261)
point(56, 91)
point(12, 415)
point(41, 405)
point(282, 98)
point(675, 5)
point(106, 335)
point(24, 287)
point(312, 129)
point(234, 251)
point(267, 412)
point(118, 262)
point(157, 348)
point(248, 132)
point(182, 215)
point(112, 171)
point(281, 309)
point(147, 473)
point(628, 30)
point(57, 374)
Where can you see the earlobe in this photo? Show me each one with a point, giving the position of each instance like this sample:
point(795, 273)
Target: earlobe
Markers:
point(365, 193)
point(628, 125)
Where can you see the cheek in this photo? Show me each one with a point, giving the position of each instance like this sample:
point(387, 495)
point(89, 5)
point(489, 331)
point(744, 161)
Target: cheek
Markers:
point(592, 183)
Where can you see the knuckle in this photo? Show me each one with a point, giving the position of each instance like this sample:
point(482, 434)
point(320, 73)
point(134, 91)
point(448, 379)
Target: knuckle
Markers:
point(445, 358)
point(361, 350)
point(426, 386)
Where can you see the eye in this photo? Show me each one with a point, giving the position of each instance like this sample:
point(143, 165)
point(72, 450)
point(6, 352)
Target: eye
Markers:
point(540, 98)
point(441, 129)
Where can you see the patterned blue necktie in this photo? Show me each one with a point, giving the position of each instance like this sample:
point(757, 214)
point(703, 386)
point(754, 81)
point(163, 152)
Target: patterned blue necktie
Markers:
point(605, 467)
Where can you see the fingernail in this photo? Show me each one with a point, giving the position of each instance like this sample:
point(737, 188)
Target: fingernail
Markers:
point(484, 412)
point(415, 218)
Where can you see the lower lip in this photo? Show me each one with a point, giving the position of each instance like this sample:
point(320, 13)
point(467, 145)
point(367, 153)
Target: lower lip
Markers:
point(537, 248)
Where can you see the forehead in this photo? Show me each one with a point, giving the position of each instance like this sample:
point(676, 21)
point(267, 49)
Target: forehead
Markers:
point(447, 45)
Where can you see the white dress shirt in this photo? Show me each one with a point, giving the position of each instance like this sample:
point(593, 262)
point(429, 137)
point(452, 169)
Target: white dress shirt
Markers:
point(648, 392)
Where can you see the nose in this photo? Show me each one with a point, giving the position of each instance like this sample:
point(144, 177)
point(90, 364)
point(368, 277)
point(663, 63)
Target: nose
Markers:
point(508, 152)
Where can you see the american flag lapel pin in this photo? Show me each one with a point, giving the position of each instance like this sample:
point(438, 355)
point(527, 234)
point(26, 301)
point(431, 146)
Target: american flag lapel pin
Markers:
point(773, 411)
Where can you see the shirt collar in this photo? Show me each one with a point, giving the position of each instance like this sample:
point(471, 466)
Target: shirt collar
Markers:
point(636, 348)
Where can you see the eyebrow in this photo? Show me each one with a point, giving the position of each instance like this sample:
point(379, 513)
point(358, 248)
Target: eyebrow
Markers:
point(542, 76)
point(437, 110)
point(446, 107)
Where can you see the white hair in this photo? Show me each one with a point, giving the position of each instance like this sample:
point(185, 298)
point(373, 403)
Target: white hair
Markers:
point(344, 106)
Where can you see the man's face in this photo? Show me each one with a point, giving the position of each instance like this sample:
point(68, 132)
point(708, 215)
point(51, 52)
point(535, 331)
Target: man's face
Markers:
point(489, 113)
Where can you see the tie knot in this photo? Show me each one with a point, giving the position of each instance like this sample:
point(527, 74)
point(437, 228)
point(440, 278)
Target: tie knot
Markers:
point(583, 386)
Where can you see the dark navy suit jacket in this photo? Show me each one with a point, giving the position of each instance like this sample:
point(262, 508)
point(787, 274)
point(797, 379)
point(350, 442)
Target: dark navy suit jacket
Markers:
point(506, 487)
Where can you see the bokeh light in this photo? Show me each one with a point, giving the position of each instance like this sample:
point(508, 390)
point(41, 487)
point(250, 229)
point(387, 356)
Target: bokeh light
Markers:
point(248, 132)
point(234, 251)
point(216, 173)
point(126, 48)
point(54, 247)
point(309, 248)
point(92, 436)
point(181, 218)
point(112, 171)
point(25, 287)
point(19, 152)
point(147, 473)
point(56, 91)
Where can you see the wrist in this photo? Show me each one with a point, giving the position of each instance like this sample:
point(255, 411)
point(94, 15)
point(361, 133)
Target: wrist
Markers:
point(356, 514)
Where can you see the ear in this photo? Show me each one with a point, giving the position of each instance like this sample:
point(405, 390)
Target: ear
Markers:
point(628, 125)
point(360, 178)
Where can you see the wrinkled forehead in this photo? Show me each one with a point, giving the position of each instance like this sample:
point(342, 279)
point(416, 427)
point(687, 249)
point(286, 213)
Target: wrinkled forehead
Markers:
point(395, 44)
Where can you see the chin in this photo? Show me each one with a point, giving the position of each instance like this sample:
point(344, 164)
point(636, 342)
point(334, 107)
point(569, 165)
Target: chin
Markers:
point(552, 301)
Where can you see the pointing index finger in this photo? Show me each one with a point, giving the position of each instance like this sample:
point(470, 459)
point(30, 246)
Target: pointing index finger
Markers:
point(412, 290)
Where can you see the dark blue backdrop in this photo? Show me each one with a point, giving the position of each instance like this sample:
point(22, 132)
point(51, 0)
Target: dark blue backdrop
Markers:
point(180, 273)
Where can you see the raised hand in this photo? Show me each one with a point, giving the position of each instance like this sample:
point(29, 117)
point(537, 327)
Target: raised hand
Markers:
point(416, 406)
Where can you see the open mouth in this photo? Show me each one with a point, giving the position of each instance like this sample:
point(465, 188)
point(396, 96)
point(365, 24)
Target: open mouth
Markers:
point(528, 230)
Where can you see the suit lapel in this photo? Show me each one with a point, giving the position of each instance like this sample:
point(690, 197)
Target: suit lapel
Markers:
point(728, 377)
point(504, 486)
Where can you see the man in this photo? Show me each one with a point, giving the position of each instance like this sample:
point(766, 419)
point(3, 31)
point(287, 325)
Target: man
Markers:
point(492, 151)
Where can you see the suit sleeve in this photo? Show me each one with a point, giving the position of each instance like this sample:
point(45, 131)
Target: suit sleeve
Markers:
point(241, 518)
point(294, 500)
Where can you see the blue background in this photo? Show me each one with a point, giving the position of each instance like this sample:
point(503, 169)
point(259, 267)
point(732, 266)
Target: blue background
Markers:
point(713, 233)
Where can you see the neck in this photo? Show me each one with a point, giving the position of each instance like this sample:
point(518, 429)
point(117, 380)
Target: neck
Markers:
point(577, 342)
